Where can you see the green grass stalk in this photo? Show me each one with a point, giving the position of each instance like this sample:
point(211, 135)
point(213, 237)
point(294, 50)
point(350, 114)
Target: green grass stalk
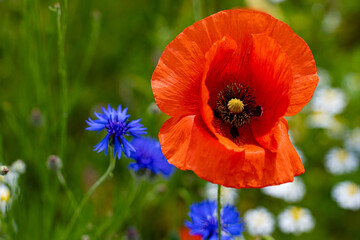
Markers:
point(61, 31)
point(69, 193)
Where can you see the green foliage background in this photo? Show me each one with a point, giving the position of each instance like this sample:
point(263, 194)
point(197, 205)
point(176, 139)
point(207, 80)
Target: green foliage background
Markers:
point(111, 50)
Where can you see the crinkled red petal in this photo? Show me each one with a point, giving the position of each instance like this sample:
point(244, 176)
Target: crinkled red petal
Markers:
point(188, 144)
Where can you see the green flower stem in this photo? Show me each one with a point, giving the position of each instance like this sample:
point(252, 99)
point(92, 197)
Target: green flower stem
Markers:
point(89, 193)
point(61, 31)
point(69, 193)
point(219, 210)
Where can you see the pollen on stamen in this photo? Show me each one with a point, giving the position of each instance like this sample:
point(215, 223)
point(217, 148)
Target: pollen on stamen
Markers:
point(235, 105)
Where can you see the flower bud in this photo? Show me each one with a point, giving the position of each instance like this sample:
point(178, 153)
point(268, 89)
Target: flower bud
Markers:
point(4, 170)
point(54, 163)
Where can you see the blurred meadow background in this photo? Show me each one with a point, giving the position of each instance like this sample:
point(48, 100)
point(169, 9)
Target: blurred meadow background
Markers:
point(106, 54)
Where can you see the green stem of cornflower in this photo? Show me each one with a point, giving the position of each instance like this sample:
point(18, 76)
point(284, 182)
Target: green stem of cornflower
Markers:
point(90, 192)
point(219, 210)
point(69, 193)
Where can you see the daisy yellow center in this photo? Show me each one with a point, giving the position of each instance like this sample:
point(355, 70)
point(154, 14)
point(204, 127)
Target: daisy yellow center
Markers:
point(342, 155)
point(260, 219)
point(296, 212)
point(235, 105)
point(353, 189)
point(5, 197)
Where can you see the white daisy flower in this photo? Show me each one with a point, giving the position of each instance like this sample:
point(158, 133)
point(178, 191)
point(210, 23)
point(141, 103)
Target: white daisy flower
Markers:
point(353, 140)
point(18, 166)
point(290, 192)
point(347, 195)
point(296, 220)
point(228, 195)
point(4, 197)
point(329, 100)
point(259, 222)
point(339, 161)
point(321, 119)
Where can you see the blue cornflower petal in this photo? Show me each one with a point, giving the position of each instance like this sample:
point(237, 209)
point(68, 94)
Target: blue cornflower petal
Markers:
point(127, 147)
point(117, 148)
point(117, 126)
point(148, 156)
point(204, 221)
point(103, 145)
point(94, 126)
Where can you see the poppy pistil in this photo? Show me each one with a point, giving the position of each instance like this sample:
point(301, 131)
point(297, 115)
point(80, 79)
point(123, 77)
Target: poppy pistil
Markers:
point(235, 105)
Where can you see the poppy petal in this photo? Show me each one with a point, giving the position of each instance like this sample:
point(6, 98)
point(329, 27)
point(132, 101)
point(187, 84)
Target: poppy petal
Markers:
point(302, 64)
point(271, 80)
point(174, 81)
point(187, 143)
point(217, 59)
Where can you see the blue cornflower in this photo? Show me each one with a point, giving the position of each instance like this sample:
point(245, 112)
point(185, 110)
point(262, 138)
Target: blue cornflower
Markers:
point(205, 222)
point(117, 125)
point(148, 156)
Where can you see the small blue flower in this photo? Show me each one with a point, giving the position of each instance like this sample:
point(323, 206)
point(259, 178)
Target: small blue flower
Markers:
point(148, 155)
point(117, 125)
point(205, 222)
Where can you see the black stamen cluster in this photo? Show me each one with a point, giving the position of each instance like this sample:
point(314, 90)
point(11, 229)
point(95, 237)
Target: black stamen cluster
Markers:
point(245, 94)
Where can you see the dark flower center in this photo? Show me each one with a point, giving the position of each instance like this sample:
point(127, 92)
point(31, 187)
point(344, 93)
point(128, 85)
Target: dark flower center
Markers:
point(116, 127)
point(236, 106)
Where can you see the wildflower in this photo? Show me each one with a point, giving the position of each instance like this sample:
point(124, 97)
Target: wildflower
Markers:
point(37, 118)
point(353, 140)
point(54, 163)
point(148, 156)
point(347, 195)
point(290, 192)
point(4, 170)
point(4, 197)
point(296, 220)
point(18, 166)
point(205, 221)
point(117, 125)
point(339, 161)
point(16, 169)
point(132, 233)
point(322, 119)
point(227, 82)
point(259, 222)
point(329, 100)
point(228, 195)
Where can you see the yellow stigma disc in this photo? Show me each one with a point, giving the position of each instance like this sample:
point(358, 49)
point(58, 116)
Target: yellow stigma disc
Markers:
point(235, 105)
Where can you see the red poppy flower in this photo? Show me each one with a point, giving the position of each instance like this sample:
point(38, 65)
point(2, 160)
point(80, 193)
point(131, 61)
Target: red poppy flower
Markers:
point(227, 82)
point(185, 235)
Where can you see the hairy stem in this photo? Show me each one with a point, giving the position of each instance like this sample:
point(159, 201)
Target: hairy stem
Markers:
point(61, 30)
point(89, 193)
point(63, 183)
